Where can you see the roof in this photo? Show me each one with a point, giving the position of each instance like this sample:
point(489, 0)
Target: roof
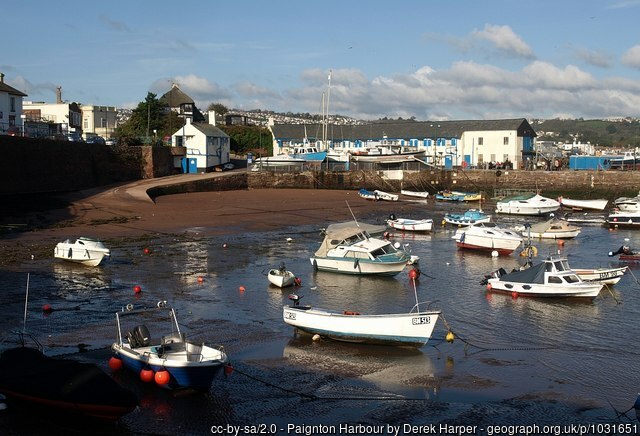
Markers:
point(175, 97)
point(210, 130)
point(11, 90)
point(400, 130)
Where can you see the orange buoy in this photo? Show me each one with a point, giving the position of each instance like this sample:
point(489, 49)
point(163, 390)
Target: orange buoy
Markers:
point(146, 375)
point(560, 242)
point(241, 289)
point(115, 363)
point(162, 377)
point(137, 289)
point(200, 279)
point(489, 287)
point(228, 369)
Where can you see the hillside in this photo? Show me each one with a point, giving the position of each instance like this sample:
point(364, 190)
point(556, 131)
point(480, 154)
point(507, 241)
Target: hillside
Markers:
point(608, 133)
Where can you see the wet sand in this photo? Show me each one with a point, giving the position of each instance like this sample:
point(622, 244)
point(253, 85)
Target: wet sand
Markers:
point(254, 395)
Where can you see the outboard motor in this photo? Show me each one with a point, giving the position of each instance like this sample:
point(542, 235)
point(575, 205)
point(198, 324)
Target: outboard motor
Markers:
point(139, 337)
point(295, 298)
point(392, 216)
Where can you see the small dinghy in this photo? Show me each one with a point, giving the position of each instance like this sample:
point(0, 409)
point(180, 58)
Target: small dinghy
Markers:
point(281, 277)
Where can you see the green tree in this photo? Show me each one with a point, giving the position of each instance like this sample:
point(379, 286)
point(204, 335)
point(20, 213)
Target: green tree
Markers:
point(219, 108)
point(148, 116)
point(255, 139)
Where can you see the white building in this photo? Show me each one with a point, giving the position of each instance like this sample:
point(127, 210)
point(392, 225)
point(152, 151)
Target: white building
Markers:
point(11, 120)
point(99, 120)
point(207, 146)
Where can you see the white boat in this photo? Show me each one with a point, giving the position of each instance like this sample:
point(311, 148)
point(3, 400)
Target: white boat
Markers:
point(608, 276)
point(487, 237)
point(528, 204)
point(83, 250)
point(467, 218)
point(596, 204)
point(550, 278)
point(628, 160)
point(418, 194)
point(627, 204)
point(550, 229)
point(623, 219)
point(377, 195)
point(412, 329)
point(172, 360)
point(585, 219)
point(349, 248)
point(387, 155)
point(281, 277)
point(424, 225)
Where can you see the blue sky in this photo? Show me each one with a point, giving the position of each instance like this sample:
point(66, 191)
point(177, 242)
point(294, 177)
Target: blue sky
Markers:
point(432, 60)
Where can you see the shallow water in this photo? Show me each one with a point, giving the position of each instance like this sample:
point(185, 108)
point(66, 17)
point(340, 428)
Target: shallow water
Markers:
point(582, 353)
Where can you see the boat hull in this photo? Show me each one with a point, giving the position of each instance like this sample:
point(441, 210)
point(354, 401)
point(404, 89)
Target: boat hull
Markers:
point(585, 290)
point(466, 219)
point(84, 251)
point(599, 204)
point(486, 242)
point(418, 194)
point(193, 375)
point(425, 225)
point(281, 279)
point(407, 329)
point(359, 266)
point(608, 276)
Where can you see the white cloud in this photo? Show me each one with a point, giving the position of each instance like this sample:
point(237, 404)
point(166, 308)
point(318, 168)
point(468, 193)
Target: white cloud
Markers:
point(505, 40)
point(595, 58)
point(632, 57)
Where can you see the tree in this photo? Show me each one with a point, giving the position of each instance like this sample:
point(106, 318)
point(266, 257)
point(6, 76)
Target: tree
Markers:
point(148, 116)
point(249, 138)
point(219, 108)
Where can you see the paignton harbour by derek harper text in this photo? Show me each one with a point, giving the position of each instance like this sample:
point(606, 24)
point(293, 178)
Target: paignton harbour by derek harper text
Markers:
point(427, 429)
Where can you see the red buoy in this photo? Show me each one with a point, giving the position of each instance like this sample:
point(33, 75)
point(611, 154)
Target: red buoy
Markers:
point(137, 289)
point(115, 363)
point(200, 279)
point(147, 251)
point(228, 369)
point(514, 294)
point(297, 281)
point(162, 377)
point(489, 287)
point(47, 308)
point(414, 273)
point(241, 289)
point(146, 375)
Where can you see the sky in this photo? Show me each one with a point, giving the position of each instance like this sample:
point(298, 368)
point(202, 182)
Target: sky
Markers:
point(431, 60)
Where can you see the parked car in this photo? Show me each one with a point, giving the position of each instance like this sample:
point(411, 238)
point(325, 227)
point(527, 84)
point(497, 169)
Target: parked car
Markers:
point(111, 141)
point(75, 137)
point(95, 140)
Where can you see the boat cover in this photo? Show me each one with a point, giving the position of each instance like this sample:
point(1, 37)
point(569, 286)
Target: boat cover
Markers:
point(534, 274)
point(337, 233)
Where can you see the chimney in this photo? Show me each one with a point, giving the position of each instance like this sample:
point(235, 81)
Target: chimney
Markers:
point(212, 118)
point(59, 94)
point(1, 77)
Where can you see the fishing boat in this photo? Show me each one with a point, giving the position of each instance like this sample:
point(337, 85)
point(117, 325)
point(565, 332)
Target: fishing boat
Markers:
point(552, 277)
point(171, 360)
point(449, 196)
point(418, 194)
point(61, 385)
point(281, 277)
point(467, 218)
point(618, 219)
point(412, 329)
point(608, 276)
point(487, 236)
point(550, 229)
point(85, 251)
point(309, 153)
point(377, 195)
point(577, 204)
point(527, 204)
point(349, 248)
point(411, 225)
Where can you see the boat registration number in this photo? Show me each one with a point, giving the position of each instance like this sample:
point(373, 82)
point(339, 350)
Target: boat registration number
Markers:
point(607, 275)
point(289, 315)
point(421, 320)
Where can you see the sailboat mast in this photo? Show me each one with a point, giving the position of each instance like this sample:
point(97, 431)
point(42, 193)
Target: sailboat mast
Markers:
point(326, 123)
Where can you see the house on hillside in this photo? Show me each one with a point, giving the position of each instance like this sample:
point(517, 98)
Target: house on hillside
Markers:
point(207, 147)
point(446, 143)
point(182, 104)
point(11, 121)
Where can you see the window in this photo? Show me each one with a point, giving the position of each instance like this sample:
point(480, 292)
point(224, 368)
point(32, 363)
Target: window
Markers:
point(12, 102)
point(480, 159)
point(481, 141)
point(505, 157)
point(505, 140)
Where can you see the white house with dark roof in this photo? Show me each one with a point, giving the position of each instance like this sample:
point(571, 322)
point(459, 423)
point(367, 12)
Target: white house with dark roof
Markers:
point(446, 143)
point(206, 146)
point(11, 121)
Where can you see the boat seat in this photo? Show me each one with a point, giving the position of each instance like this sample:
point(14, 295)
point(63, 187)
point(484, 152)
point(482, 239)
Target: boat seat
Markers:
point(173, 338)
point(194, 352)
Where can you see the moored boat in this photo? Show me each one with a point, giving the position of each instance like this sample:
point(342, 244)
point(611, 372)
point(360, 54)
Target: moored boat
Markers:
point(551, 229)
point(527, 204)
point(608, 276)
point(467, 218)
point(423, 225)
point(377, 195)
point(412, 329)
point(624, 219)
point(595, 204)
point(171, 360)
point(487, 237)
point(349, 248)
point(552, 277)
point(281, 277)
point(418, 194)
point(85, 251)
point(627, 204)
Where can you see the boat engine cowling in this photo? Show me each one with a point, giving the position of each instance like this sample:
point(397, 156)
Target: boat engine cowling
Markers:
point(139, 337)
point(392, 216)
